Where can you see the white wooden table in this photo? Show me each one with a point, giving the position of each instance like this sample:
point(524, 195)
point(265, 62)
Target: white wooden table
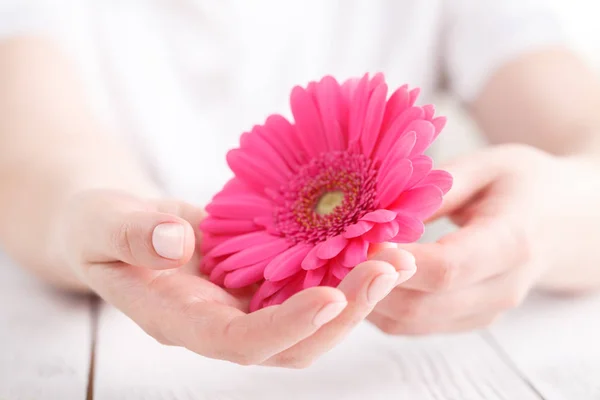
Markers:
point(548, 349)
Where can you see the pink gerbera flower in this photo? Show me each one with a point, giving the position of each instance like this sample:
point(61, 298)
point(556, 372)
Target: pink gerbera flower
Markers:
point(309, 198)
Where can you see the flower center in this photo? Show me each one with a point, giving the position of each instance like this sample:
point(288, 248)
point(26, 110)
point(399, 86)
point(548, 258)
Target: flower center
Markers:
point(326, 195)
point(329, 202)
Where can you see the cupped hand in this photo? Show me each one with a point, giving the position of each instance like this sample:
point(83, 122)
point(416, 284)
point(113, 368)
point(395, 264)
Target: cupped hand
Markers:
point(525, 219)
point(140, 256)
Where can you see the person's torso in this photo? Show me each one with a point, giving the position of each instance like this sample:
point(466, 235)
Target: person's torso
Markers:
point(184, 78)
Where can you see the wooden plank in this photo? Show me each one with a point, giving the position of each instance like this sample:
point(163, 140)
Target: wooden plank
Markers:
point(553, 342)
point(45, 339)
point(130, 365)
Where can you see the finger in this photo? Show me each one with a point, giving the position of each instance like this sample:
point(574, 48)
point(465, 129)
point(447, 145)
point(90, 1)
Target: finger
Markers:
point(375, 248)
point(471, 174)
point(473, 253)
point(188, 311)
point(443, 310)
point(194, 216)
point(364, 287)
point(256, 337)
point(393, 327)
point(190, 213)
point(113, 230)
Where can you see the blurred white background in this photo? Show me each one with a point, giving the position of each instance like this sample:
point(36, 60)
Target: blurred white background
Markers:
point(582, 26)
point(47, 337)
point(581, 21)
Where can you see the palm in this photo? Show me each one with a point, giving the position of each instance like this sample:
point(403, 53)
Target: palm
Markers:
point(109, 239)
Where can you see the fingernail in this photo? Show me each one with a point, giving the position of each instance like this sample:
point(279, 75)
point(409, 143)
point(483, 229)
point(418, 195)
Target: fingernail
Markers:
point(411, 257)
point(408, 267)
point(381, 286)
point(168, 240)
point(329, 312)
point(405, 274)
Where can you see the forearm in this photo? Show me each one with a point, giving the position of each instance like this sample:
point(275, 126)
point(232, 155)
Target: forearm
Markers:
point(34, 189)
point(549, 100)
point(50, 148)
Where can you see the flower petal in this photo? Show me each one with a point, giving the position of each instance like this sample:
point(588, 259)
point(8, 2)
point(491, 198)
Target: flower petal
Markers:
point(404, 144)
point(338, 270)
point(438, 123)
point(425, 132)
point(266, 289)
point(330, 279)
point(274, 196)
point(254, 171)
point(242, 207)
point(395, 140)
point(287, 291)
point(329, 99)
point(382, 232)
point(409, 115)
point(217, 276)
point(314, 277)
point(255, 254)
point(308, 122)
point(399, 150)
point(210, 241)
point(264, 221)
point(376, 80)
point(394, 183)
point(246, 276)
point(219, 226)
point(439, 178)
point(420, 202)
point(358, 106)
point(379, 216)
point(411, 229)
point(207, 264)
point(429, 110)
point(233, 244)
point(286, 136)
point(331, 247)
point(278, 141)
point(349, 87)
point(287, 263)
point(413, 94)
point(397, 103)
point(421, 166)
point(312, 261)
point(258, 144)
point(373, 119)
point(354, 253)
point(358, 229)
point(234, 187)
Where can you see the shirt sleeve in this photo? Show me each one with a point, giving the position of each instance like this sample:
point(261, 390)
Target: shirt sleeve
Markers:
point(482, 35)
point(26, 17)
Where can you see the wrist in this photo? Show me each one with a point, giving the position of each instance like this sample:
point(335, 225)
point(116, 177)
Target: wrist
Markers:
point(587, 145)
point(45, 250)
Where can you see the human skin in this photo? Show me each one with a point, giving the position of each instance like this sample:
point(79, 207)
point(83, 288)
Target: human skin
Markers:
point(83, 223)
point(527, 207)
point(78, 210)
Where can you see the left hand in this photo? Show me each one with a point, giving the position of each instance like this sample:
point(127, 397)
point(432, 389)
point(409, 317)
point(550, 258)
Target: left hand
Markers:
point(141, 256)
point(525, 218)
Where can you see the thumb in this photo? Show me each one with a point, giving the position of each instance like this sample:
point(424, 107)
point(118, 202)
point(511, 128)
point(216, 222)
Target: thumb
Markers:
point(119, 228)
point(471, 174)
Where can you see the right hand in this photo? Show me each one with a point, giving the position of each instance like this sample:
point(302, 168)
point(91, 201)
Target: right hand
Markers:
point(137, 255)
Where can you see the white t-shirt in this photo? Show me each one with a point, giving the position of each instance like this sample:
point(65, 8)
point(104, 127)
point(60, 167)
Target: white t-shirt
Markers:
point(184, 78)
